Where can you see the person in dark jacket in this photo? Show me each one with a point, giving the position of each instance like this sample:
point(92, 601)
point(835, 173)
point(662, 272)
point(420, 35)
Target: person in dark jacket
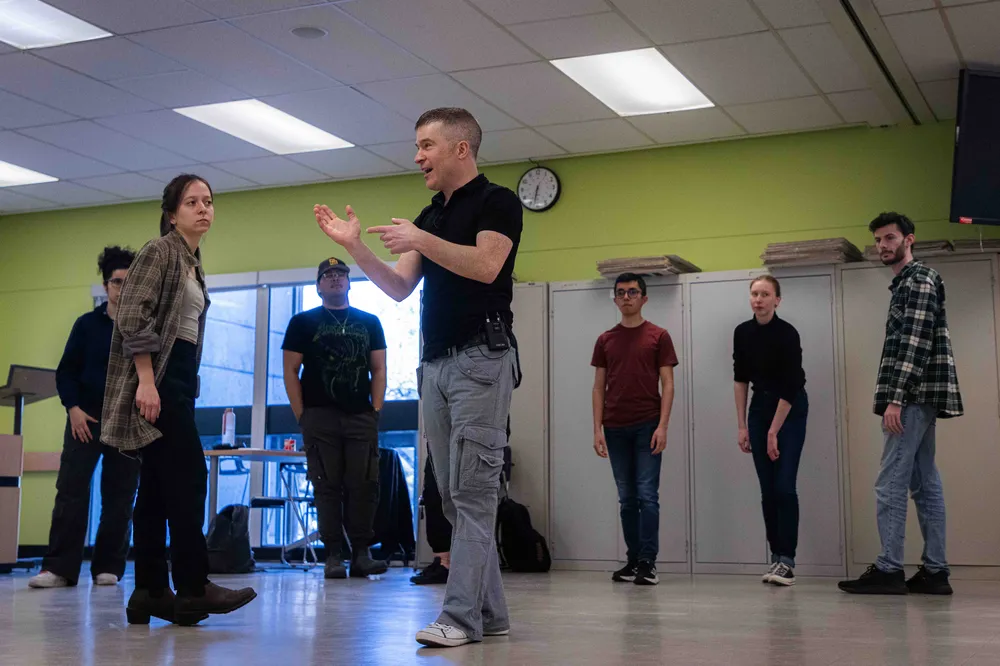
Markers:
point(80, 379)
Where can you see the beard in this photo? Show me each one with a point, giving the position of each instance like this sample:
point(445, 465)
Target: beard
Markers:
point(897, 256)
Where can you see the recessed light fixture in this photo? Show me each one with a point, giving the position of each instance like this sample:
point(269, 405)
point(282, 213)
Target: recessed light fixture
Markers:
point(264, 126)
point(634, 83)
point(309, 32)
point(32, 24)
point(11, 175)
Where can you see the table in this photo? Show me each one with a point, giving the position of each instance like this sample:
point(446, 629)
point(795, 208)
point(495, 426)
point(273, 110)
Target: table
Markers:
point(249, 455)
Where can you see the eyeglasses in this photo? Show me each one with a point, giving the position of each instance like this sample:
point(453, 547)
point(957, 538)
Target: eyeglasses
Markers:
point(116, 282)
point(631, 293)
point(333, 276)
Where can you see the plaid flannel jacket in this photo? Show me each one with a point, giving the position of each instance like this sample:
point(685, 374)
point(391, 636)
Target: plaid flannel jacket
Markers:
point(149, 313)
point(917, 361)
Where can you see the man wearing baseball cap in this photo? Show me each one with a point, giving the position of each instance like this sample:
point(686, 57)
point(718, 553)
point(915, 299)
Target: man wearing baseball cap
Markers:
point(341, 352)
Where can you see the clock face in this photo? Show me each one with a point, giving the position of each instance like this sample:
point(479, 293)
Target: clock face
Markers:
point(538, 189)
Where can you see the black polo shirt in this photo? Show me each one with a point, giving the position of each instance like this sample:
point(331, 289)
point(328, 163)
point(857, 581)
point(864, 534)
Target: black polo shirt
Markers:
point(455, 308)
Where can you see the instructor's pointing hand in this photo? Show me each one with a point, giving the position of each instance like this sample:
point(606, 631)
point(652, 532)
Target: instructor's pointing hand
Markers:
point(339, 230)
point(399, 237)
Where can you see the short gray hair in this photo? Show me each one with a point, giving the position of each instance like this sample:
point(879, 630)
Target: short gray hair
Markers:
point(460, 124)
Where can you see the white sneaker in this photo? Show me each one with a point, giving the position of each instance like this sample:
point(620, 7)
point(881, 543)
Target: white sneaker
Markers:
point(47, 579)
point(442, 635)
point(106, 579)
point(766, 578)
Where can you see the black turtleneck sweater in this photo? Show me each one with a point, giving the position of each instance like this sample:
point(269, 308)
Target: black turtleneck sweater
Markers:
point(769, 356)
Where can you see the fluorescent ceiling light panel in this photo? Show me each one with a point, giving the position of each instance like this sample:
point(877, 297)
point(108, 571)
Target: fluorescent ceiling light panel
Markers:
point(11, 174)
point(634, 83)
point(264, 126)
point(32, 24)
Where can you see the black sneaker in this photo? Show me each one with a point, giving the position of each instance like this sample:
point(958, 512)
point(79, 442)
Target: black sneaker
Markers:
point(876, 581)
point(766, 578)
point(925, 582)
point(626, 574)
point(645, 574)
point(334, 569)
point(783, 575)
point(433, 574)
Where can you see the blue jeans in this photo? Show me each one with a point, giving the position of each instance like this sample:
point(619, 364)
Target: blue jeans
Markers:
point(637, 475)
point(908, 463)
point(779, 498)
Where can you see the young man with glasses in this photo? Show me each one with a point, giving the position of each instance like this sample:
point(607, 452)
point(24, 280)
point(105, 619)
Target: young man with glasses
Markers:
point(633, 361)
point(80, 379)
point(341, 351)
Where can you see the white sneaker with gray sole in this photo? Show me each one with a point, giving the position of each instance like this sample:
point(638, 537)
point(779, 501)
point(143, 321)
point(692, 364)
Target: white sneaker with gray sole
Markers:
point(47, 579)
point(442, 635)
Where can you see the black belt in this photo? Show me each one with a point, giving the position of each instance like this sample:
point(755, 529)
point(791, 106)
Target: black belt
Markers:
point(479, 339)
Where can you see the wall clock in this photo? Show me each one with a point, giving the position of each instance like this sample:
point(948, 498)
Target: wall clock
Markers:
point(538, 189)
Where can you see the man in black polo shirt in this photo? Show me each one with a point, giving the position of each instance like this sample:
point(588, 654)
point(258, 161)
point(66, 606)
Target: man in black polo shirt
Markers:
point(464, 245)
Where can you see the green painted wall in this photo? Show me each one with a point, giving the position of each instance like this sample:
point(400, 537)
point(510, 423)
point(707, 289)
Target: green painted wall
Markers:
point(716, 204)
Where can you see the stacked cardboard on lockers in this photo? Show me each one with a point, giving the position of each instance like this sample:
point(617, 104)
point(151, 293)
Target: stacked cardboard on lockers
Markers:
point(811, 252)
point(669, 264)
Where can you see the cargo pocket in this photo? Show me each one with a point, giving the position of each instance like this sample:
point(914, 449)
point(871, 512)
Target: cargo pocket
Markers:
point(481, 457)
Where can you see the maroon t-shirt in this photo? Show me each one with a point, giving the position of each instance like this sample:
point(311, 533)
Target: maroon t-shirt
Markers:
point(633, 358)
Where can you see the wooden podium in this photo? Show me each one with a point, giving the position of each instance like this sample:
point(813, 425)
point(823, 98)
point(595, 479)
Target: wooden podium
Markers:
point(25, 386)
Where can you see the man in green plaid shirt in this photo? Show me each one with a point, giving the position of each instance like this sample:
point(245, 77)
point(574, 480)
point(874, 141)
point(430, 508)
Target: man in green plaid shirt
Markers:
point(917, 384)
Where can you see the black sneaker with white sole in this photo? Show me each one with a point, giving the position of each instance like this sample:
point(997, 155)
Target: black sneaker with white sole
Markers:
point(626, 574)
point(645, 574)
point(766, 578)
point(783, 575)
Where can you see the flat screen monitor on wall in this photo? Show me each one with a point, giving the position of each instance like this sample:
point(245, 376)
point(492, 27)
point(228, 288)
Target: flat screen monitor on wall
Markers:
point(975, 182)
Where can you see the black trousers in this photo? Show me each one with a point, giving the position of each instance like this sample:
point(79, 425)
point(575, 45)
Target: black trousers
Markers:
point(173, 483)
point(119, 478)
point(342, 458)
point(437, 526)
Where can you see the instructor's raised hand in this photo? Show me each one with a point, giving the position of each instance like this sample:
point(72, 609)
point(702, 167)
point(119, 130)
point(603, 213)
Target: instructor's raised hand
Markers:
point(343, 232)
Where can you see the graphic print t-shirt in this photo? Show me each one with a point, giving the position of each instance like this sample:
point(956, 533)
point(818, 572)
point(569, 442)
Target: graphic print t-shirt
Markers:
point(336, 348)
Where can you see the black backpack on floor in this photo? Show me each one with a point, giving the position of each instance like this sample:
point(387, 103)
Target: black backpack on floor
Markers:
point(229, 541)
point(521, 547)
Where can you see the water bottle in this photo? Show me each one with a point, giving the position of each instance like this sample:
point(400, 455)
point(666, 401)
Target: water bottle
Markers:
point(229, 427)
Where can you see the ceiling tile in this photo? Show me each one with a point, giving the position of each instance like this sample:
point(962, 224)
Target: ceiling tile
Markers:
point(182, 135)
point(272, 170)
point(178, 89)
point(509, 12)
point(40, 80)
point(785, 115)
point(862, 106)
point(596, 136)
point(19, 112)
point(887, 7)
point(825, 58)
point(687, 126)
point(350, 52)
point(976, 28)
point(580, 36)
point(12, 202)
point(517, 144)
point(107, 59)
point(346, 113)
point(234, 57)
point(125, 16)
point(448, 34)
point(346, 163)
point(66, 193)
point(126, 185)
point(670, 21)
point(536, 94)
point(924, 44)
point(220, 181)
point(750, 68)
point(234, 8)
point(93, 140)
point(31, 154)
point(411, 97)
point(6, 48)
point(791, 13)
point(942, 96)
point(952, 3)
point(399, 152)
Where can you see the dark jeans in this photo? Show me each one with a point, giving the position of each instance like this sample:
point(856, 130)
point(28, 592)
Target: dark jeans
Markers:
point(637, 475)
point(438, 527)
point(778, 496)
point(119, 479)
point(172, 487)
point(342, 456)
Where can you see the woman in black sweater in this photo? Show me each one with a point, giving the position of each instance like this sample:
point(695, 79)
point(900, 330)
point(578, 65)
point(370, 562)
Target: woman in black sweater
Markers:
point(768, 355)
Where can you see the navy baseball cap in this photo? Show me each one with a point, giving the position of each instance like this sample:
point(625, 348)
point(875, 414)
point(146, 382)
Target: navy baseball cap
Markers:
point(332, 264)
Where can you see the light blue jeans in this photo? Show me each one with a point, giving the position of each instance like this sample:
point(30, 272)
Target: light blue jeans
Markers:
point(908, 463)
point(466, 399)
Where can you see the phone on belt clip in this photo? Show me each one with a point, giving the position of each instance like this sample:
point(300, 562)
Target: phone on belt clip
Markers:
point(496, 335)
